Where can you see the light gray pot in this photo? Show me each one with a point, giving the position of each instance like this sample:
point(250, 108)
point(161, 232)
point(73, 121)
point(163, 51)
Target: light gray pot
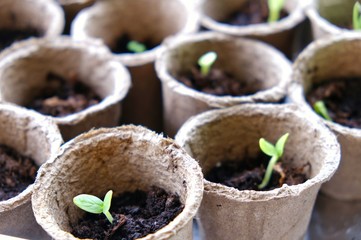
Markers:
point(35, 136)
point(280, 34)
point(325, 14)
point(142, 20)
point(24, 67)
point(333, 57)
point(232, 134)
point(251, 61)
point(122, 159)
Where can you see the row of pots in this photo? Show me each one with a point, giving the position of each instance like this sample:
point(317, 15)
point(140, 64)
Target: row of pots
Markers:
point(187, 51)
point(130, 157)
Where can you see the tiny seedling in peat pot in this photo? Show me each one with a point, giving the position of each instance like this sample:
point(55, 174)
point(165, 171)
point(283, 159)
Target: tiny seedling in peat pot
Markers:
point(320, 108)
point(356, 16)
point(94, 204)
point(275, 7)
point(136, 47)
point(275, 152)
point(206, 61)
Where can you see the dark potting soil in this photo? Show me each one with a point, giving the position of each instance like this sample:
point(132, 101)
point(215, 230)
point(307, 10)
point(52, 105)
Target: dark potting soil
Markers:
point(252, 12)
point(342, 100)
point(9, 36)
point(136, 214)
point(217, 82)
point(248, 174)
point(17, 172)
point(63, 96)
point(122, 42)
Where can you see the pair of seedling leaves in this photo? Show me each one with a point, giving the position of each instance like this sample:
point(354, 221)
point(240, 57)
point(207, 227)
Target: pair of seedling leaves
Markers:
point(93, 204)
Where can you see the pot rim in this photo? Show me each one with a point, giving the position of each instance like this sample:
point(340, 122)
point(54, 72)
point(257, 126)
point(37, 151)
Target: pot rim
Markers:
point(193, 196)
point(138, 59)
point(295, 17)
point(274, 93)
point(296, 87)
point(327, 170)
point(122, 84)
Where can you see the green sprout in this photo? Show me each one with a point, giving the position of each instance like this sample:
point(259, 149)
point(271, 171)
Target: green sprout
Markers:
point(206, 61)
point(136, 47)
point(320, 108)
point(95, 205)
point(275, 7)
point(275, 152)
point(356, 18)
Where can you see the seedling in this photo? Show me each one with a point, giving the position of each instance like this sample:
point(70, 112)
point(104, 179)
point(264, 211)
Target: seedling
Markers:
point(356, 16)
point(320, 108)
point(275, 7)
point(94, 204)
point(136, 47)
point(275, 152)
point(206, 61)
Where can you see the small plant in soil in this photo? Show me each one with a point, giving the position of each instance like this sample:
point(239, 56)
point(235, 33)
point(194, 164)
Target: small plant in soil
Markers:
point(275, 7)
point(206, 61)
point(356, 16)
point(321, 109)
point(94, 204)
point(136, 47)
point(275, 152)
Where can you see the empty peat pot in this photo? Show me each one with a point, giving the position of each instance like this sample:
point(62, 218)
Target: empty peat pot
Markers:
point(280, 34)
point(31, 135)
point(257, 66)
point(21, 19)
point(121, 159)
point(232, 134)
point(334, 59)
point(145, 21)
point(31, 68)
point(330, 17)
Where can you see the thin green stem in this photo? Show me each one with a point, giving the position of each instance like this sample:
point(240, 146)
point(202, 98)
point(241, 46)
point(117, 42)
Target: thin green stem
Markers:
point(269, 170)
point(109, 216)
point(273, 16)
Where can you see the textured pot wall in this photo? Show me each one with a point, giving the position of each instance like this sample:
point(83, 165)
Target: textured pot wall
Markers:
point(333, 57)
point(21, 14)
point(250, 61)
point(32, 135)
point(24, 67)
point(232, 134)
point(152, 20)
point(280, 34)
point(325, 15)
point(141, 158)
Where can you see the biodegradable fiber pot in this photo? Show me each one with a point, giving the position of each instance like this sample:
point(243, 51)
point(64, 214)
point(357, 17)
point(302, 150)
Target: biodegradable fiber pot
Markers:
point(259, 65)
point(24, 67)
point(330, 58)
point(35, 136)
point(280, 34)
point(21, 14)
point(233, 133)
point(122, 159)
point(143, 21)
point(327, 16)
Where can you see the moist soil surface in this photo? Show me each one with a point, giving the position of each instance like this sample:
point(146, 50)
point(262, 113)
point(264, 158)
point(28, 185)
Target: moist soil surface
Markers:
point(136, 214)
point(17, 172)
point(216, 82)
point(63, 97)
point(122, 42)
point(9, 36)
point(248, 174)
point(252, 12)
point(342, 99)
